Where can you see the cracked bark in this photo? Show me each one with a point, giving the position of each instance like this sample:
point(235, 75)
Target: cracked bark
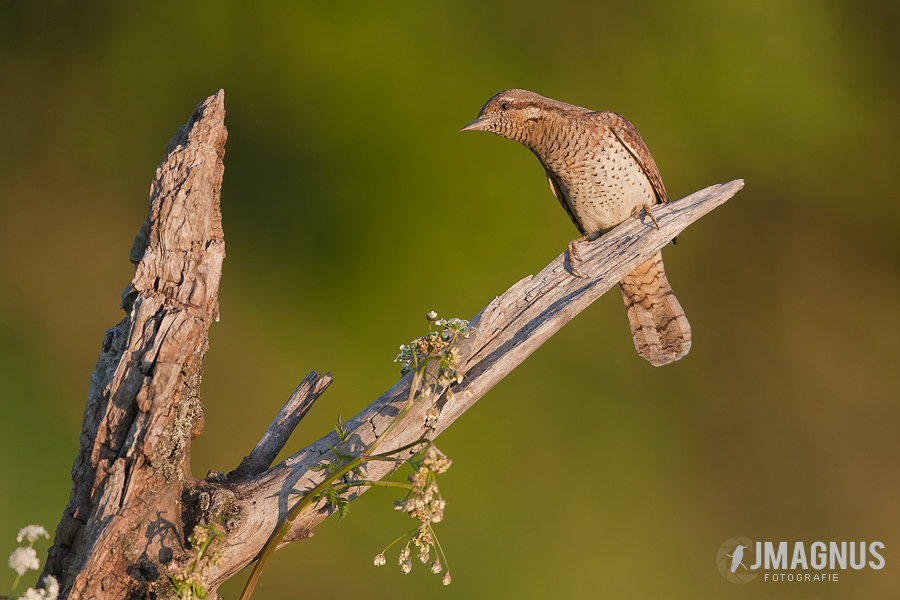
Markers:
point(134, 501)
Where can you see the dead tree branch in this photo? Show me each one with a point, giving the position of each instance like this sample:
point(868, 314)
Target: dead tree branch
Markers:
point(134, 501)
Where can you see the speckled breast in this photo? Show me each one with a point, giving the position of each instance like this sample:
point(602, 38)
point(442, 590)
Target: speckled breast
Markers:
point(601, 181)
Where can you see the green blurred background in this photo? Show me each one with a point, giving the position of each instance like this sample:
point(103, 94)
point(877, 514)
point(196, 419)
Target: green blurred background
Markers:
point(587, 472)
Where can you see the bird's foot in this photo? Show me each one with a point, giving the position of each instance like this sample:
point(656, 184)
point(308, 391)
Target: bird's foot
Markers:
point(648, 210)
point(573, 258)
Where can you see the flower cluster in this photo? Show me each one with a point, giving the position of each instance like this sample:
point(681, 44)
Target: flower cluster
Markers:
point(426, 505)
point(439, 344)
point(207, 539)
point(32, 533)
point(188, 584)
point(189, 581)
point(50, 591)
point(24, 559)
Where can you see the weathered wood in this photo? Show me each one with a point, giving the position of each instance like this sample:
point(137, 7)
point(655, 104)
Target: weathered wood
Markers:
point(123, 519)
point(134, 501)
point(509, 329)
point(281, 428)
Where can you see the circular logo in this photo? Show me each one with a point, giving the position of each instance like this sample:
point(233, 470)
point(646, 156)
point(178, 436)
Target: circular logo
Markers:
point(734, 559)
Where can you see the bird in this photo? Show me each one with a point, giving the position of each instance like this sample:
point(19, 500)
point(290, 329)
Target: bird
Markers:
point(602, 173)
point(737, 557)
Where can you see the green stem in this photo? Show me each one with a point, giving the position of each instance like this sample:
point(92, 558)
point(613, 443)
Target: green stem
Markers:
point(403, 535)
point(312, 496)
point(347, 485)
point(440, 550)
point(386, 455)
point(308, 499)
point(410, 402)
point(203, 548)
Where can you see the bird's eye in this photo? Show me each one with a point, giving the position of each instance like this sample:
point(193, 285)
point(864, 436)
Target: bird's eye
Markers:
point(504, 105)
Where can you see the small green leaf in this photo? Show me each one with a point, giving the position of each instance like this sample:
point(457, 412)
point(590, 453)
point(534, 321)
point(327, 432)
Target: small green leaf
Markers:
point(334, 499)
point(341, 455)
point(339, 428)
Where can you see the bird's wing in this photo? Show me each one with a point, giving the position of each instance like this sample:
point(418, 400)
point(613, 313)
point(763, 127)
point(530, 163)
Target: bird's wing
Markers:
point(626, 133)
point(557, 191)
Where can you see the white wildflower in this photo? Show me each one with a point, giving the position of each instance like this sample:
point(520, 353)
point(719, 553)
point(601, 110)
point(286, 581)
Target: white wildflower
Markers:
point(24, 559)
point(32, 533)
point(52, 587)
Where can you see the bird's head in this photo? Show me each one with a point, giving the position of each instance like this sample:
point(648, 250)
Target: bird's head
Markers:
point(510, 114)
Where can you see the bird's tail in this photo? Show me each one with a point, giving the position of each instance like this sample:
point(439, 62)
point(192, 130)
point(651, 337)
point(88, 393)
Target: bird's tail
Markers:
point(660, 329)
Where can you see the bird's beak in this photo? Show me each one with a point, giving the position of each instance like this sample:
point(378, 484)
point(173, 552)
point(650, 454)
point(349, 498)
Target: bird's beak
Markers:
point(479, 124)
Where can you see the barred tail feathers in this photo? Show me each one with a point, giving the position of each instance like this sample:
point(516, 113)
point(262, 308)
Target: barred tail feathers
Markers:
point(659, 326)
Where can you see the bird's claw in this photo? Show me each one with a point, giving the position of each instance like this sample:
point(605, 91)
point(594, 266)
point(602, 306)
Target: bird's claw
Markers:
point(649, 212)
point(575, 258)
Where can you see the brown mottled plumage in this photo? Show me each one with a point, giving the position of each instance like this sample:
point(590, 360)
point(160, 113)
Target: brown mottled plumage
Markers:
point(601, 172)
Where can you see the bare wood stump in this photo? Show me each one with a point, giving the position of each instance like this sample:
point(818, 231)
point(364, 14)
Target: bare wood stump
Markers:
point(134, 501)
